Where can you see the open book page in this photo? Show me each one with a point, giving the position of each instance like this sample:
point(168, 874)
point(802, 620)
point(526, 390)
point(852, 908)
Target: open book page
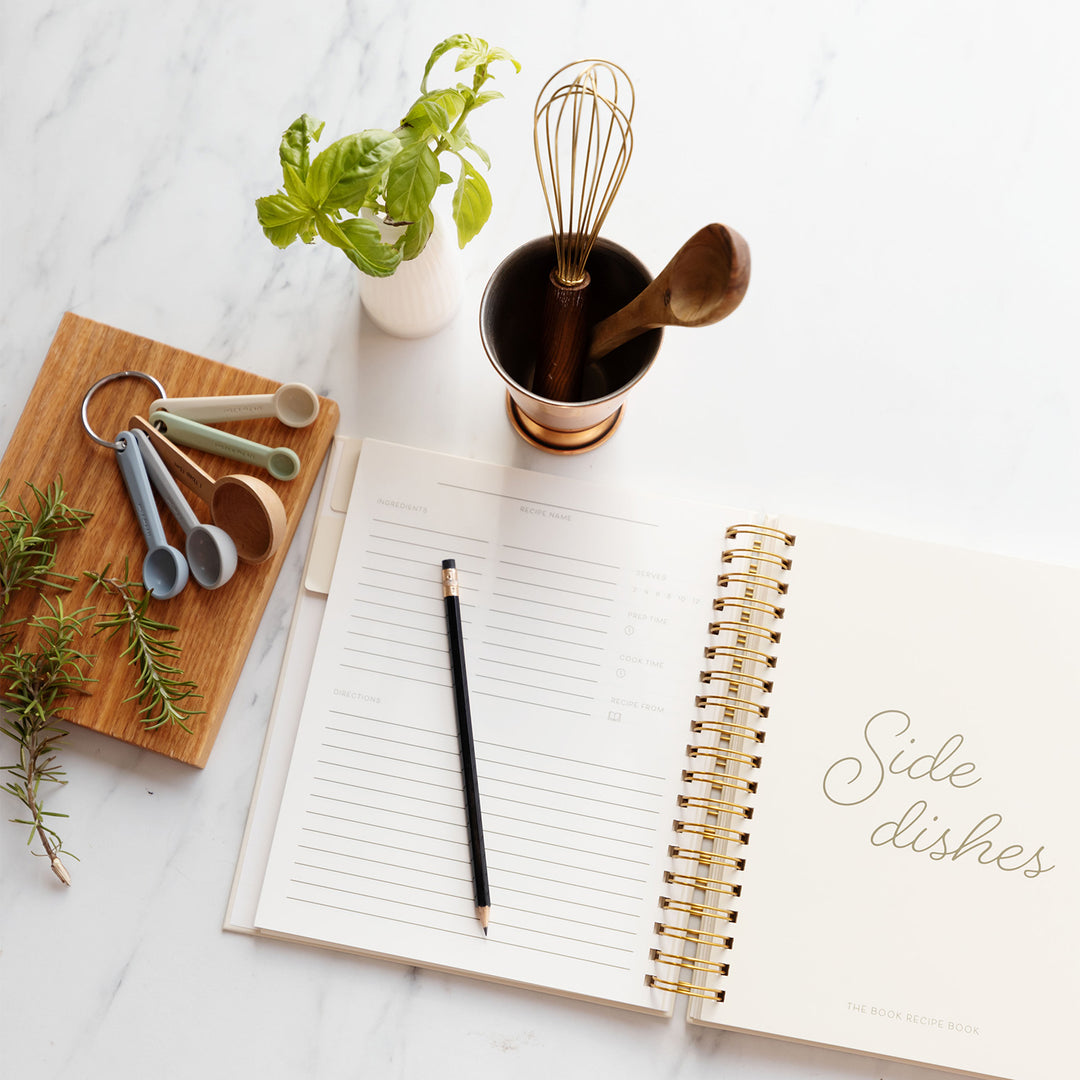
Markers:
point(583, 611)
point(912, 875)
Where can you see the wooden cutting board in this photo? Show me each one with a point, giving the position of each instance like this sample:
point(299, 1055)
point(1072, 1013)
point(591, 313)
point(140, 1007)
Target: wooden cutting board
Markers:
point(215, 628)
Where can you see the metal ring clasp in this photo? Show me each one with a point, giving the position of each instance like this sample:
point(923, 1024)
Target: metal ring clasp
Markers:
point(97, 386)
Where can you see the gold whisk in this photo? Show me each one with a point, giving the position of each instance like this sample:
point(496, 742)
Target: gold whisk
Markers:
point(587, 142)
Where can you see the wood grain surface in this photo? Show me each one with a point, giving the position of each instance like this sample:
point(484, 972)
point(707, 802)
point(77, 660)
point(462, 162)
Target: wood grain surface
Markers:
point(215, 628)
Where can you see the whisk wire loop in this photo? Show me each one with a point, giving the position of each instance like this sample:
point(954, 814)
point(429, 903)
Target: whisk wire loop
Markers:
point(598, 141)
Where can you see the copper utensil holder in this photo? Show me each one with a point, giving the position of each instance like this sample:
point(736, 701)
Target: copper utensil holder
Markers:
point(511, 313)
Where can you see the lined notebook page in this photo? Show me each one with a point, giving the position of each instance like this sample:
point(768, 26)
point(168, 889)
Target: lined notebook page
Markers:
point(583, 613)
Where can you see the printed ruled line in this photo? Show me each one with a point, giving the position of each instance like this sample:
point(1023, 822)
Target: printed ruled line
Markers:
point(551, 604)
point(396, 641)
point(639, 780)
point(550, 622)
point(494, 815)
point(520, 946)
point(546, 656)
point(465, 877)
point(560, 573)
point(541, 671)
point(564, 558)
point(545, 505)
point(491, 797)
point(554, 588)
point(434, 532)
point(421, 579)
point(495, 864)
point(392, 674)
point(398, 659)
point(413, 544)
point(635, 879)
point(387, 622)
point(421, 907)
point(524, 701)
point(398, 607)
point(533, 686)
point(544, 637)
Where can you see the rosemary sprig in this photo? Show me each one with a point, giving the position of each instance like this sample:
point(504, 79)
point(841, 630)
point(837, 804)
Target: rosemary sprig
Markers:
point(162, 691)
point(35, 684)
point(41, 667)
point(28, 541)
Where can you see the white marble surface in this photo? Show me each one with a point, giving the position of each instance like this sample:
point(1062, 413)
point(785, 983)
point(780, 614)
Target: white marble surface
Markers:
point(905, 360)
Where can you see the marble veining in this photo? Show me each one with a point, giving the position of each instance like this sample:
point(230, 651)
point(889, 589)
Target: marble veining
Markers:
point(905, 361)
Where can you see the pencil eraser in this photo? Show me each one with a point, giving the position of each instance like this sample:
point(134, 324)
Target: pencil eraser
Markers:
point(449, 564)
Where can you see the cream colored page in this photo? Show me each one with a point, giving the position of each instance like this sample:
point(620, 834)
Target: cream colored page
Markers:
point(911, 877)
point(583, 611)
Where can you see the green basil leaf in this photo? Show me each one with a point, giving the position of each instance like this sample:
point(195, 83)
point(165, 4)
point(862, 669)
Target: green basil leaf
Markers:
point(281, 218)
point(417, 235)
point(347, 171)
point(362, 242)
point(456, 41)
point(296, 143)
point(434, 113)
point(411, 182)
point(295, 187)
point(497, 53)
point(466, 142)
point(471, 205)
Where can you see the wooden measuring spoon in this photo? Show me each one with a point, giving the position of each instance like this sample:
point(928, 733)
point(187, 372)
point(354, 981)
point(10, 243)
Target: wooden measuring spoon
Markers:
point(705, 281)
point(247, 508)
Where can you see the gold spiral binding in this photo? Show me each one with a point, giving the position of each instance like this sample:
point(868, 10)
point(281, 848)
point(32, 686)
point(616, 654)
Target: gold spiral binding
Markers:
point(739, 656)
point(720, 780)
point(708, 819)
point(713, 832)
point(731, 705)
point(706, 858)
point(679, 986)
point(736, 531)
point(748, 606)
point(696, 937)
point(705, 884)
point(753, 681)
point(752, 579)
point(714, 806)
point(725, 755)
point(742, 630)
point(725, 727)
point(715, 967)
point(756, 555)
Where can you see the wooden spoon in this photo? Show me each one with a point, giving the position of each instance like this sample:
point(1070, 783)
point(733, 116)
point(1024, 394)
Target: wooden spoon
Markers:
point(247, 508)
point(705, 281)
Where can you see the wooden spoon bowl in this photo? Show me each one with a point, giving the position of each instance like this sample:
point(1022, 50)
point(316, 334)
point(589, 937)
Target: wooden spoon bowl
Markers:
point(703, 283)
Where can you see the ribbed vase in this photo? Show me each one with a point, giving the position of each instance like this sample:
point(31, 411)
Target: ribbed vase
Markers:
point(423, 294)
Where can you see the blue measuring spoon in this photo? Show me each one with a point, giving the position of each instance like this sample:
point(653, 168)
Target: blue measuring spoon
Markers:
point(164, 570)
point(211, 552)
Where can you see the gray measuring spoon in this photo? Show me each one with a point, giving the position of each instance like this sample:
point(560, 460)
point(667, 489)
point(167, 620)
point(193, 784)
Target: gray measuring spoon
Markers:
point(294, 404)
point(247, 508)
point(211, 553)
point(279, 461)
point(165, 571)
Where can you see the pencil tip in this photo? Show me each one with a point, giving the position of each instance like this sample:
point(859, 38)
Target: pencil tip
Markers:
point(485, 931)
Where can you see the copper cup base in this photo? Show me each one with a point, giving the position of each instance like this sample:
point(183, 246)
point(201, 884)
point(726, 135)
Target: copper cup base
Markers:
point(555, 441)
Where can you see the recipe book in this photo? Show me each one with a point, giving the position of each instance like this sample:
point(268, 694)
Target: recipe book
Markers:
point(815, 782)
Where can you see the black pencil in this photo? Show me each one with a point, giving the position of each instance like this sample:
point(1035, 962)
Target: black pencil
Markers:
point(478, 856)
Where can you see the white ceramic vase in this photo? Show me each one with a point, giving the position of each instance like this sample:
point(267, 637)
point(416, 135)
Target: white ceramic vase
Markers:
point(423, 294)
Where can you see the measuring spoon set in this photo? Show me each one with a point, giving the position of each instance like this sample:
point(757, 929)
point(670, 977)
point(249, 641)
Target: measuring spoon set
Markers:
point(248, 515)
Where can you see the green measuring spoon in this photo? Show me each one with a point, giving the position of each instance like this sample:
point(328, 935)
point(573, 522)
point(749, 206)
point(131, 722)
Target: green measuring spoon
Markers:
point(279, 461)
